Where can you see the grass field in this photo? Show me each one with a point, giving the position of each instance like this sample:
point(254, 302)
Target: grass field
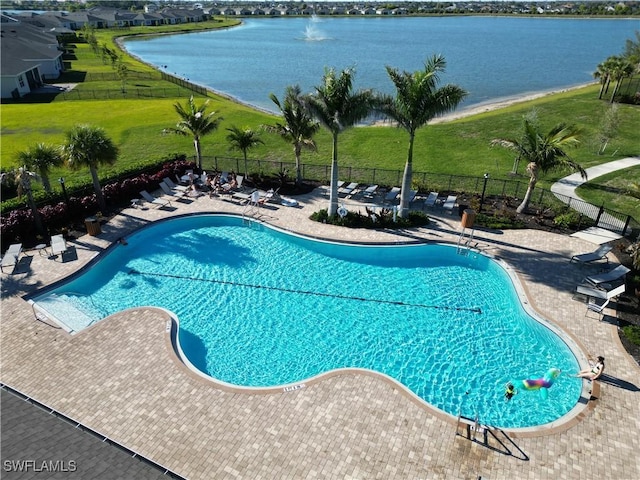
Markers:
point(458, 147)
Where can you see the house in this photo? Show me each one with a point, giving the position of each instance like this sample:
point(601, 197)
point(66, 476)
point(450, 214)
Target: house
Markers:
point(29, 56)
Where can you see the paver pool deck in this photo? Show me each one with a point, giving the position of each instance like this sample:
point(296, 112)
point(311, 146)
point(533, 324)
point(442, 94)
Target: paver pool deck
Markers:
point(122, 378)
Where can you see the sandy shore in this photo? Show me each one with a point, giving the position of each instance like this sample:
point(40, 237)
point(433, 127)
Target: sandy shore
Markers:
point(501, 103)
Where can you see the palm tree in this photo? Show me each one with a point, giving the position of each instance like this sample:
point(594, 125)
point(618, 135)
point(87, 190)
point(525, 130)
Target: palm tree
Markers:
point(622, 68)
point(89, 146)
point(298, 127)
point(41, 158)
point(337, 107)
point(543, 152)
point(243, 140)
point(24, 178)
point(418, 100)
point(194, 122)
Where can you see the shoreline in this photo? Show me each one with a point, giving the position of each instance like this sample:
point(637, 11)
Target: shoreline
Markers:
point(500, 103)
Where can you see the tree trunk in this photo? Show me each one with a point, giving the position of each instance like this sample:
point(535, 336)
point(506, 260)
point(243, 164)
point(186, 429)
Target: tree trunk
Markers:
point(98, 191)
point(333, 194)
point(296, 151)
point(46, 183)
point(615, 91)
point(36, 216)
point(406, 180)
point(527, 196)
point(196, 143)
point(244, 153)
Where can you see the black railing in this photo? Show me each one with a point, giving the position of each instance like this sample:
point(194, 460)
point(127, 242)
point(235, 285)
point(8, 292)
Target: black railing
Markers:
point(427, 182)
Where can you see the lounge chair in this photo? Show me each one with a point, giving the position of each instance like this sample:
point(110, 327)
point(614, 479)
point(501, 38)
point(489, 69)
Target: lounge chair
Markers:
point(151, 199)
point(239, 180)
point(173, 186)
point(348, 190)
point(370, 191)
point(449, 203)
point(412, 195)
point(172, 193)
point(431, 200)
point(599, 253)
point(392, 194)
point(607, 277)
point(11, 256)
point(58, 245)
point(599, 293)
point(598, 308)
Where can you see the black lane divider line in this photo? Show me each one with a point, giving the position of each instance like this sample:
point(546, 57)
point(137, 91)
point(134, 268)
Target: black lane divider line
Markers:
point(307, 292)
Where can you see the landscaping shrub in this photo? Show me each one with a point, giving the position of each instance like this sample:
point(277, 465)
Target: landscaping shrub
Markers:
point(632, 332)
point(379, 219)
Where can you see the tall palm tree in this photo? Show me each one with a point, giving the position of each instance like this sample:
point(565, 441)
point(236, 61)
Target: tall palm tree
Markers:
point(544, 152)
point(298, 127)
point(243, 140)
point(89, 146)
point(418, 100)
point(41, 158)
point(194, 122)
point(337, 108)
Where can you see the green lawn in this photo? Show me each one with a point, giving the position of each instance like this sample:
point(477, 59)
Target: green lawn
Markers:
point(461, 147)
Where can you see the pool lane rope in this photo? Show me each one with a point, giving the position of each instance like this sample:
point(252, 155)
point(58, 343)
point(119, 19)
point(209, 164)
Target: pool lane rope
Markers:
point(308, 292)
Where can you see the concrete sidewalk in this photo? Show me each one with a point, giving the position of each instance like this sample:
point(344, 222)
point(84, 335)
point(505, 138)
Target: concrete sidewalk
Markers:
point(565, 190)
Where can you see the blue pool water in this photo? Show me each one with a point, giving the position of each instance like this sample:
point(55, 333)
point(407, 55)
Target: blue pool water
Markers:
point(259, 307)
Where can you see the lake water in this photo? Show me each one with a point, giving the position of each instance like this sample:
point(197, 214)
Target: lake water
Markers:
point(493, 58)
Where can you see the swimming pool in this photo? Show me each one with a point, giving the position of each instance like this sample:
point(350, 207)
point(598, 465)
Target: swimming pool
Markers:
point(259, 308)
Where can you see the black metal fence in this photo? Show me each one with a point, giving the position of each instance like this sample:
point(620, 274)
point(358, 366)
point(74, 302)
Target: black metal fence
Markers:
point(130, 93)
point(426, 182)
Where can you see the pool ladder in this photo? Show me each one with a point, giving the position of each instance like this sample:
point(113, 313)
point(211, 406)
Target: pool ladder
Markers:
point(464, 242)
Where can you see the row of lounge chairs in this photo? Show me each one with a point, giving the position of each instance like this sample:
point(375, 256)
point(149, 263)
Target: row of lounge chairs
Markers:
point(602, 287)
point(431, 201)
point(12, 255)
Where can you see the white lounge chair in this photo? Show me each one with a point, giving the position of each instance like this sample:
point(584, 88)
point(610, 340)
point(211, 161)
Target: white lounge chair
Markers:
point(607, 277)
point(58, 245)
point(348, 190)
point(11, 256)
point(599, 253)
point(449, 203)
point(392, 194)
point(173, 186)
point(370, 191)
point(431, 200)
point(172, 193)
point(598, 308)
point(599, 293)
point(151, 199)
point(412, 195)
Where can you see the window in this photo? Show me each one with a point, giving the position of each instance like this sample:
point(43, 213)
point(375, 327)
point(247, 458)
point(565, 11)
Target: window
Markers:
point(21, 81)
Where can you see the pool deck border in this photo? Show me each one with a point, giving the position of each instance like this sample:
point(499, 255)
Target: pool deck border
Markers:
point(352, 424)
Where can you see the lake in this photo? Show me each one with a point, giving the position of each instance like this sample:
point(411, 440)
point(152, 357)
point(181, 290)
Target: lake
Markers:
point(493, 58)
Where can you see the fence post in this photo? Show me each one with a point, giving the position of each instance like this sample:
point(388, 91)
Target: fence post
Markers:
point(626, 225)
point(600, 212)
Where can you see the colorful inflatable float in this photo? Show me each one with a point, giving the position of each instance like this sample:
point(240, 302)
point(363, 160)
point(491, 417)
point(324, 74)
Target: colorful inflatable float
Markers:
point(542, 384)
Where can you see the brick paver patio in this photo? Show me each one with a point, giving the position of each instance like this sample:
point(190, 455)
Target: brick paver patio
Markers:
point(122, 378)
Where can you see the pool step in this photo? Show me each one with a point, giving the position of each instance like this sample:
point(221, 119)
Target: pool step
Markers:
point(66, 310)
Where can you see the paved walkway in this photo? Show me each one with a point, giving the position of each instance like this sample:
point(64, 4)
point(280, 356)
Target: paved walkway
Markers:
point(565, 188)
point(121, 378)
